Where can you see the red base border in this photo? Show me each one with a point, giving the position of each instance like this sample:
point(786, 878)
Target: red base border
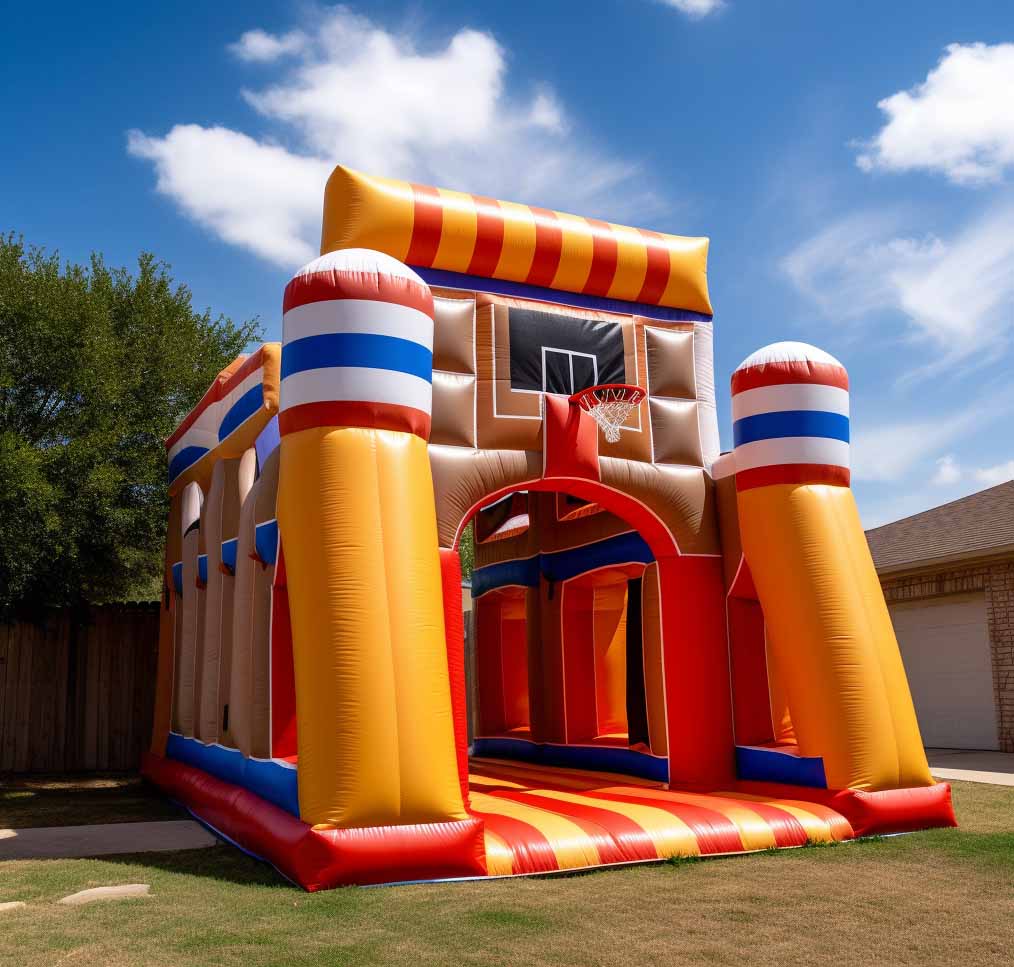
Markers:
point(321, 859)
point(874, 813)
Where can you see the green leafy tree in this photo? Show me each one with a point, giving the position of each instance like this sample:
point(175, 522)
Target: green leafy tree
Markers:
point(97, 367)
point(466, 550)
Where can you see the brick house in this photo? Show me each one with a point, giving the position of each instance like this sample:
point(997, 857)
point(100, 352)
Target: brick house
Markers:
point(948, 577)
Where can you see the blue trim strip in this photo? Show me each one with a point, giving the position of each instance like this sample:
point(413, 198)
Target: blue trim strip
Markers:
point(178, 578)
point(790, 423)
point(229, 552)
point(241, 411)
point(772, 765)
point(266, 541)
point(600, 758)
point(622, 549)
point(202, 568)
point(455, 280)
point(562, 565)
point(524, 572)
point(360, 349)
point(267, 440)
point(263, 777)
point(187, 457)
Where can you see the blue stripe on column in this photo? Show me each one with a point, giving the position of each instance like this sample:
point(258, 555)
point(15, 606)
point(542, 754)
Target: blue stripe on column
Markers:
point(241, 411)
point(360, 349)
point(185, 458)
point(790, 423)
point(178, 578)
point(202, 568)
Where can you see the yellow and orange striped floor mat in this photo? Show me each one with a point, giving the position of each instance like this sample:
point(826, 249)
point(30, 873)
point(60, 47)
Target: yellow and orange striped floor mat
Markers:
point(540, 819)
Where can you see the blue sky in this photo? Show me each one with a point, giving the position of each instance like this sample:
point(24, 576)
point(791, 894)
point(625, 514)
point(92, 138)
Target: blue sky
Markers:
point(851, 163)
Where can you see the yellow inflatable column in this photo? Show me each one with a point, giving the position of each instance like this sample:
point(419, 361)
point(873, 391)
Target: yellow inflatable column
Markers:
point(828, 628)
point(358, 527)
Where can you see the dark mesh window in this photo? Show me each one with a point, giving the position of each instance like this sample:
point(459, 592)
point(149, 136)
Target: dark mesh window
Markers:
point(563, 354)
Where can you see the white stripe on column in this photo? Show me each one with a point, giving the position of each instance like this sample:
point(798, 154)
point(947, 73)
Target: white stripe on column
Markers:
point(348, 383)
point(796, 449)
point(358, 315)
point(790, 396)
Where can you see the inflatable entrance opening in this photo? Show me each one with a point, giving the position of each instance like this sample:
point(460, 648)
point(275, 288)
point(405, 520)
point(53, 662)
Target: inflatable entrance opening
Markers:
point(677, 652)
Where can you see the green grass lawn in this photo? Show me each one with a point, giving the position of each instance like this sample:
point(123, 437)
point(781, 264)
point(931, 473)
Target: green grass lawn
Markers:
point(938, 897)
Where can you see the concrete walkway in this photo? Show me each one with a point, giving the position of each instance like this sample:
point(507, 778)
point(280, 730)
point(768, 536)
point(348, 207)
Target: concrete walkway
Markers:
point(996, 768)
point(70, 842)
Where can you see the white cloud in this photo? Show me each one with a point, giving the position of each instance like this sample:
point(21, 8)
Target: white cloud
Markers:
point(358, 94)
point(957, 292)
point(255, 195)
point(948, 472)
point(696, 8)
point(958, 122)
point(256, 46)
point(991, 476)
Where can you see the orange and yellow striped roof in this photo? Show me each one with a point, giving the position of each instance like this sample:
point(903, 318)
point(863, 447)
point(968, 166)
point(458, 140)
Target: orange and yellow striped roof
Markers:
point(434, 228)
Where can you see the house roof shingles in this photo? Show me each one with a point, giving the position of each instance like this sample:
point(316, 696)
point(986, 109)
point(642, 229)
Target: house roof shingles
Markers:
point(981, 523)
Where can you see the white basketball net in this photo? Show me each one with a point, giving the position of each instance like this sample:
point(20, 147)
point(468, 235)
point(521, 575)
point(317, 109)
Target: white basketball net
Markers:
point(610, 406)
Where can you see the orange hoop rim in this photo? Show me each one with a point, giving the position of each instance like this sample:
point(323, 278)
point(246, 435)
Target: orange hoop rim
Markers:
point(589, 397)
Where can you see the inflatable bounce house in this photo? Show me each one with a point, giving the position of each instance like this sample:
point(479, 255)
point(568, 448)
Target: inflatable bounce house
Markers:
point(677, 652)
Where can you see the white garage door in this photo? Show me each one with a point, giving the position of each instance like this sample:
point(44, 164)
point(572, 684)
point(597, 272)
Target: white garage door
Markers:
point(945, 646)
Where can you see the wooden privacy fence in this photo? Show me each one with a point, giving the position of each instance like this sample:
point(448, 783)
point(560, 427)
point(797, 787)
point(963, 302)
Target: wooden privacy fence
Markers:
point(77, 691)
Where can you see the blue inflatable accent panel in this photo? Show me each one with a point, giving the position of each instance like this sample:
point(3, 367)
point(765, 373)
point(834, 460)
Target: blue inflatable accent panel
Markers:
point(773, 765)
point(202, 568)
point(524, 572)
point(229, 550)
point(187, 457)
point(629, 548)
point(267, 441)
point(266, 541)
point(266, 778)
point(241, 411)
point(599, 758)
point(178, 578)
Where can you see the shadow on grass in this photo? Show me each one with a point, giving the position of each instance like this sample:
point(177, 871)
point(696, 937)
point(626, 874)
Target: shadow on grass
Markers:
point(224, 863)
point(35, 801)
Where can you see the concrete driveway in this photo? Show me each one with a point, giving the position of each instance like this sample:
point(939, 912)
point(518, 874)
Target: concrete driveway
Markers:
point(67, 842)
point(996, 768)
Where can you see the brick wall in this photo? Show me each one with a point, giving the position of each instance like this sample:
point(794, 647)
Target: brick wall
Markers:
point(996, 579)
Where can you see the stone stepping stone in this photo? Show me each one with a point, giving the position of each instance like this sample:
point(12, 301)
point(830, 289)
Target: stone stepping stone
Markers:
point(126, 891)
point(12, 905)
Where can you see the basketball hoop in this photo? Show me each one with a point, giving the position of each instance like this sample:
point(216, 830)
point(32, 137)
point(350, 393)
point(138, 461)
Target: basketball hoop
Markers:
point(609, 405)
